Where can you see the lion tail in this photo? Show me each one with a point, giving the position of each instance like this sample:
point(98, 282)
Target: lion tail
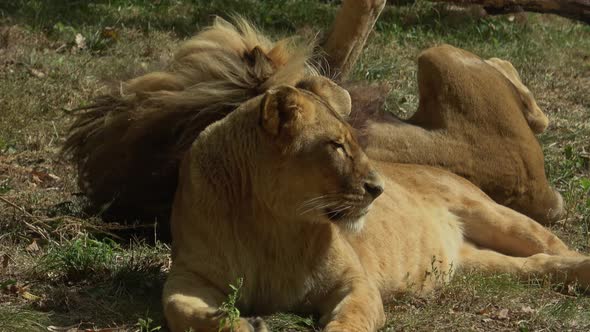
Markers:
point(127, 145)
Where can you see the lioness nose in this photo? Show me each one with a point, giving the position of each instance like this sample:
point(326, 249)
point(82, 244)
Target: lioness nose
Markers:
point(373, 185)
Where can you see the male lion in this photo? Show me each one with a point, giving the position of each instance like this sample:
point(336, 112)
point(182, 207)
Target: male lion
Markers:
point(128, 144)
point(295, 207)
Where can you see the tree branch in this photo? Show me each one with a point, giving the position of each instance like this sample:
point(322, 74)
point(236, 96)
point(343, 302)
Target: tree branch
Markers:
point(574, 9)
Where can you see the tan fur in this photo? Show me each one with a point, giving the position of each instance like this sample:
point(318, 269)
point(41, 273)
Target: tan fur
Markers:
point(127, 145)
point(293, 206)
point(347, 36)
point(474, 119)
point(537, 120)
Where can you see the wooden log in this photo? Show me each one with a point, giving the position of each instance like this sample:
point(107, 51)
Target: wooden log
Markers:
point(574, 9)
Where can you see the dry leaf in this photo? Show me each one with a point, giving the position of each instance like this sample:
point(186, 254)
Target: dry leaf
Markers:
point(37, 73)
point(528, 310)
point(36, 179)
point(31, 297)
point(80, 41)
point(484, 311)
point(33, 247)
point(110, 33)
point(44, 178)
point(503, 314)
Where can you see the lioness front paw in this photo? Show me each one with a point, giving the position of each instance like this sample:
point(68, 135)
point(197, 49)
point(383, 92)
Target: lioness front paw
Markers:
point(252, 324)
point(257, 324)
point(246, 325)
point(336, 326)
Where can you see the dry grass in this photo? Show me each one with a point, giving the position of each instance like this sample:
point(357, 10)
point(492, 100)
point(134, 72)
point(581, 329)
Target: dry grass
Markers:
point(50, 272)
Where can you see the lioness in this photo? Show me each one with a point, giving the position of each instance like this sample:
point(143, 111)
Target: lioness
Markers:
point(475, 119)
point(295, 207)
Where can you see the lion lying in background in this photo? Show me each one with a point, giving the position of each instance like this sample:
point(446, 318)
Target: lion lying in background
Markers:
point(475, 119)
point(127, 146)
point(312, 225)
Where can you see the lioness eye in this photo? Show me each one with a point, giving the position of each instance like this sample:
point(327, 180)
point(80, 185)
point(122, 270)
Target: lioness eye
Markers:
point(337, 145)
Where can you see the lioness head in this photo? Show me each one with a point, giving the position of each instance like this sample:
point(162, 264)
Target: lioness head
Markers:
point(321, 172)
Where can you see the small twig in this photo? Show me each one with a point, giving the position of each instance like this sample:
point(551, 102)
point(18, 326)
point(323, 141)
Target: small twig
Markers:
point(36, 229)
point(55, 130)
point(21, 209)
point(69, 221)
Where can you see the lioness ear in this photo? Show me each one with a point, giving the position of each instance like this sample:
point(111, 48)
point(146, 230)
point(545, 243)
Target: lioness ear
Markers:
point(279, 108)
point(337, 97)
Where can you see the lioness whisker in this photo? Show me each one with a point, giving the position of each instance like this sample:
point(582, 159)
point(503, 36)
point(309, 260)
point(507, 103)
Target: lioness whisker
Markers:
point(320, 205)
point(318, 198)
point(341, 209)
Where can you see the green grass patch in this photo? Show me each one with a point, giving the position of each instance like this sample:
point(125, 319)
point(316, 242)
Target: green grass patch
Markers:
point(290, 322)
point(182, 17)
point(79, 259)
point(21, 320)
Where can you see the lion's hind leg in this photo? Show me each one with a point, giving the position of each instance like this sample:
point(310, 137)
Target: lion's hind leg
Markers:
point(191, 303)
point(350, 30)
point(496, 227)
point(535, 117)
point(560, 269)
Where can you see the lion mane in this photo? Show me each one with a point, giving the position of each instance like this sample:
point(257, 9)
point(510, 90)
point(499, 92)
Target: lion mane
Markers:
point(127, 145)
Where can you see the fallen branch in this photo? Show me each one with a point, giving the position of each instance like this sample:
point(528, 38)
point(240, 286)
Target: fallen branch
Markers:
point(32, 227)
point(70, 224)
point(574, 9)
